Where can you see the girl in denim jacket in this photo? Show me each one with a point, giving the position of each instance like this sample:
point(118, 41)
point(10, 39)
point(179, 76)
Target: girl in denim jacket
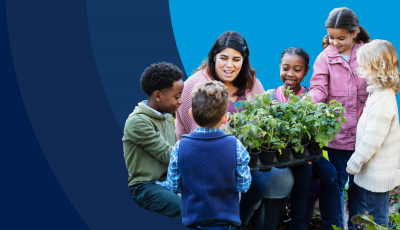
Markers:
point(335, 77)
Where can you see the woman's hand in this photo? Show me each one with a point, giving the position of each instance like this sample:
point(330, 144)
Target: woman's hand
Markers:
point(350, 172)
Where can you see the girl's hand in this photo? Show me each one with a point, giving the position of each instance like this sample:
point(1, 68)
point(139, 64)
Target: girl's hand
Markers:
point(350, 172)
point(274, 102)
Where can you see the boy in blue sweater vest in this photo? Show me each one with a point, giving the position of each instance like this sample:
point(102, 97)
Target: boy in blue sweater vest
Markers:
point(209, 166)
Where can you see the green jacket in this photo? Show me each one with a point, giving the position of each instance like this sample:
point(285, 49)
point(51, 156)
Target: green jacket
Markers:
point(148, 140)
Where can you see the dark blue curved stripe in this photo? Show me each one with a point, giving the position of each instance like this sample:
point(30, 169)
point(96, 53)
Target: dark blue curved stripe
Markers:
point(71, 117)
point(30, 195)
point(128, 36)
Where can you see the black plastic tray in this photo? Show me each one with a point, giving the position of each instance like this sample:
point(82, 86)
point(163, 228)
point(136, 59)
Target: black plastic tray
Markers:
point(292, 161)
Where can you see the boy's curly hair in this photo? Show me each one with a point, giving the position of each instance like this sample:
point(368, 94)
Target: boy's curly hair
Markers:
point(380, 56)
point(210, 102)
point(159, 76)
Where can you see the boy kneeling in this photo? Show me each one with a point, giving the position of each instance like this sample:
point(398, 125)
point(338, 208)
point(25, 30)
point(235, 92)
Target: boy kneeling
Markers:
point(149, 136)
point(208, 165)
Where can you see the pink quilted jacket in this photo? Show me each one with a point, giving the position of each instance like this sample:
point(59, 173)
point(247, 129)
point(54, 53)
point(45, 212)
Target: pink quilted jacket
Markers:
point(334, 78)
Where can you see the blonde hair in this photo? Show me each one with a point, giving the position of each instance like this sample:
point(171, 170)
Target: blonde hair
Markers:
point(381, 56)
point(210, 101)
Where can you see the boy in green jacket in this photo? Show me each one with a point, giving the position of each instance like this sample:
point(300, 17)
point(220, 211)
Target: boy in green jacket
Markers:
point(149, 136)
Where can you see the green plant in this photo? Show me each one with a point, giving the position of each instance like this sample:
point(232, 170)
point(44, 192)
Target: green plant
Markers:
point(246, 127)
point(394, 221)
point(321, 120)
point(263, 127)
point(283, 125)
point(336, 228)
point(368, 222)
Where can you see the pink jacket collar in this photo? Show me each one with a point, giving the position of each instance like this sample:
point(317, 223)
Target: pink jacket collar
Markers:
point(332, 52)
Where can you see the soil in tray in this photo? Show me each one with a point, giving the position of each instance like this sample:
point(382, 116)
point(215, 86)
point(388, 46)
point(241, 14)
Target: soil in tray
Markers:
point(267, 157)
point(254, 158)
point(313, 148)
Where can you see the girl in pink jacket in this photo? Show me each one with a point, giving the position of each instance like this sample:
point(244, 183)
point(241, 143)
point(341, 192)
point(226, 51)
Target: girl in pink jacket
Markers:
point(335, 77)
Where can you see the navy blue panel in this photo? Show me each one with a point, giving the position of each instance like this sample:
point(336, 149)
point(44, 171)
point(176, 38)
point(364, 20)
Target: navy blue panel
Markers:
point(30, 195)
point(71, 117)
point(127, 36)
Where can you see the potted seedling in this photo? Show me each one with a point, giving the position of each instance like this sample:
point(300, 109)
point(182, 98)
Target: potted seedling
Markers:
point(289, 128)
point(319, 121)
point(271, 143)
point(259, 107)
point(327, 122)
point(246, 127)
point(298, 108)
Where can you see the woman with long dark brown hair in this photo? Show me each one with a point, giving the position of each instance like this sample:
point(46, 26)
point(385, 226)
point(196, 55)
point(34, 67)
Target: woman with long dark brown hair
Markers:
point(228, 62)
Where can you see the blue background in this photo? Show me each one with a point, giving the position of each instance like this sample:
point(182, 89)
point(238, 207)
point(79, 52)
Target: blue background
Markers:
point(70, 73)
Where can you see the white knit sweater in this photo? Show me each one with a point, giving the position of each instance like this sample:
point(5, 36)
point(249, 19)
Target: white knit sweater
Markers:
point(377, 152)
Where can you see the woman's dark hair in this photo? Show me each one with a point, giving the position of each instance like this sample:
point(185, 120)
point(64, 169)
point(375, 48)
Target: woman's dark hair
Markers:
point(245, 80)
point(344, 18)
point(299, 52)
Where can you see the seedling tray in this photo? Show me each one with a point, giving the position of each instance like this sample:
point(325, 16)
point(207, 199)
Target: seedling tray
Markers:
point(292, 161)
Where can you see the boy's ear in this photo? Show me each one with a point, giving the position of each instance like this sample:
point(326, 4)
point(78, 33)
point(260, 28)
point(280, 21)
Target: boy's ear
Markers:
point(225, 119)
point(157, 95)
point(191, 113)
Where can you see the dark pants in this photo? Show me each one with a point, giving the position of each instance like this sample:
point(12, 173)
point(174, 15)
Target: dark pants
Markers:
point(267, 215)
point(339, 159)
point(303, 175)
point(362, 200)
point(158, 199)
point(265, 190)
point(217, 226)
point(314, 195)
point(329, 200)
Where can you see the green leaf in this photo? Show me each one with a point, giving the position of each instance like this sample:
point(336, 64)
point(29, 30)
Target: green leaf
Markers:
point(397, 220)
point(275, 108)
point(396, 207)
point(363, 219)
point(369, 227)
point(343, 118)
point(336, 228)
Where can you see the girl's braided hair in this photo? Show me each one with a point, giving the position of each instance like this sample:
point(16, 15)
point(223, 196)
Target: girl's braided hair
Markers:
point(299, 52)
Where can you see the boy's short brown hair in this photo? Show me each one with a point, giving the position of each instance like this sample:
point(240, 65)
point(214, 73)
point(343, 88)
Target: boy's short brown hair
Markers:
point(210, 101)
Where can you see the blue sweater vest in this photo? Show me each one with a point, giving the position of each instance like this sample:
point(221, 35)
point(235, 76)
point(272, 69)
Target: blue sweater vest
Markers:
point(207, 164)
